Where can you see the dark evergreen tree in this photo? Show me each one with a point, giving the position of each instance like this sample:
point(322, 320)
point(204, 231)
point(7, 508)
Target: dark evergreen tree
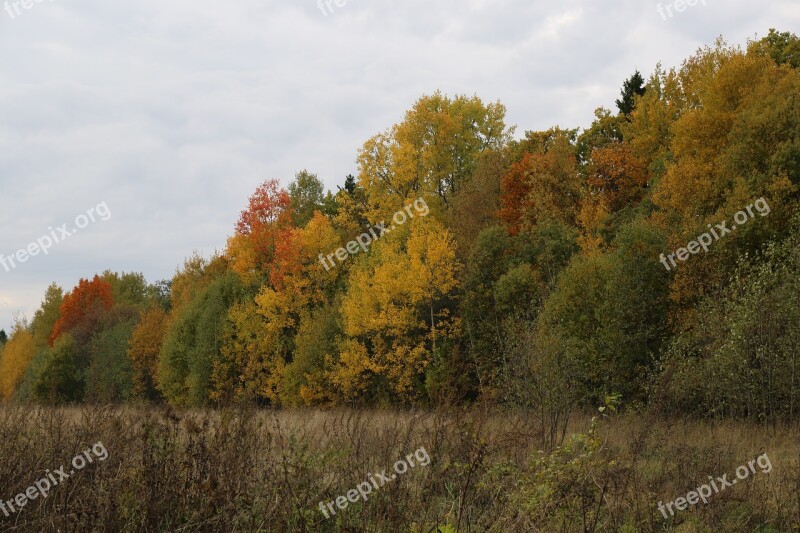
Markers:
point(633, 86)
point(349, 184)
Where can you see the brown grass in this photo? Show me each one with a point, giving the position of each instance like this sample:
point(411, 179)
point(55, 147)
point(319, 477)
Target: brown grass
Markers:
point(253, 470)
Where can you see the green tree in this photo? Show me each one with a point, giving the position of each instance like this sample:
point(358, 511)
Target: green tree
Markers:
point(45, 318)
point(488, 261)
point(307, 195)
point(317, 341)
point(132, 289)
point(109, 377)
point(608, 314)
point(60, 380)
point(194, 341)
point(782, 47)
point(739, 358)
point(633, 87)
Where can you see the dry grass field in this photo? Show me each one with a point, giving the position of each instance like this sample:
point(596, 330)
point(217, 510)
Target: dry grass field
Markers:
point(254, 470)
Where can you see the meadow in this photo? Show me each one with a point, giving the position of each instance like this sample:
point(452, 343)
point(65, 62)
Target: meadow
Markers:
point(261, 470)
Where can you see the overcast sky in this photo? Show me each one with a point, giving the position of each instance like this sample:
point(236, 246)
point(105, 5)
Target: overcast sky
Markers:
point(171, 113)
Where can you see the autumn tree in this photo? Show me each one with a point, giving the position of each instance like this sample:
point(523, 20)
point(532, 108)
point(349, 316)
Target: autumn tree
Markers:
point(259, 229)
point(143, 349)
point(606, 129)
point(252, 358)
point(393, 312)
point(351, 209)
point(476, 206)
point(616, 179)
point(648, 128)
point(260, 340)
point(82, 309)
point(544, 185)
point(737, 143)
point(516, 187)
point(430, 153)
point(17, 354)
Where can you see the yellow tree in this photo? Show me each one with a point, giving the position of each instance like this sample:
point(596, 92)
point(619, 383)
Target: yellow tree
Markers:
point(16, 356)
point(432, 261)
point(737, 141)
point(430, 153)
point(715, 84)
point(251, 365)
point(144, 346)
point(260, 337)
point(648, 128)
point(393, 310)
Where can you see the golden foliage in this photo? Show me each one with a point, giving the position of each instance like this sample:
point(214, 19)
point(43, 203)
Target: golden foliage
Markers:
point(16, 356)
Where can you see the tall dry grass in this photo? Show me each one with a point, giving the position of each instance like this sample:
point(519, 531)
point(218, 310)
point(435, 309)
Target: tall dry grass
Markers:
point(251, 470)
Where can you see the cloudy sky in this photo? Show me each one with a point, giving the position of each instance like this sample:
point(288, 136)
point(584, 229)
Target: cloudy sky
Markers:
point(171, 113)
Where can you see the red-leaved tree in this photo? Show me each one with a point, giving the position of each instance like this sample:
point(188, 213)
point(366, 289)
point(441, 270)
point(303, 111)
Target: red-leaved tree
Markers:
point(86, 301)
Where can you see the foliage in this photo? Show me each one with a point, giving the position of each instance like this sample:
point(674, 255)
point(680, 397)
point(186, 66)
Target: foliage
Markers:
point(15, 356)
point(60, 379)
point(740, 357)
point(109, 377)
point(306, 194)
point(193, 343)
point(633, 87)
point(534, 281)
point(431, 153)
point(143, 349)
point(82, 309)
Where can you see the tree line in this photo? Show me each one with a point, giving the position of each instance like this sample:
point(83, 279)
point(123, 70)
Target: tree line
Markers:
point(534, 281)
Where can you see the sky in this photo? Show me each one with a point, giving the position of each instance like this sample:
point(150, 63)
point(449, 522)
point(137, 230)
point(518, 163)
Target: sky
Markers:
point(150, 123)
